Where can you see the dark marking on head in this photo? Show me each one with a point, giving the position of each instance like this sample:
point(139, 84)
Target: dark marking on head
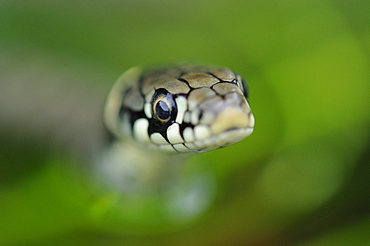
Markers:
point(214, 76)
point(185, 81)
point(183, 126)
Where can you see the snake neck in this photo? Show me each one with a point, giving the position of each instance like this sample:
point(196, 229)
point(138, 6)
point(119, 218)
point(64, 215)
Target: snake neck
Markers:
point(154, 182)
point(131, 168)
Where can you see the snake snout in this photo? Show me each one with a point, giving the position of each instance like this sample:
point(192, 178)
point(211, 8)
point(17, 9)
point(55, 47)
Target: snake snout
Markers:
point(223, 120)
point(232, 118)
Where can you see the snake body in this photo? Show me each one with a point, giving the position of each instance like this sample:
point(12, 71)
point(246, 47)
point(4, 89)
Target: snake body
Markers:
point(180, 108)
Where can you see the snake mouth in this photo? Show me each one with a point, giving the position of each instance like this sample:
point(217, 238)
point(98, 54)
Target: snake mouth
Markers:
point(221, 140)
point(203, 138)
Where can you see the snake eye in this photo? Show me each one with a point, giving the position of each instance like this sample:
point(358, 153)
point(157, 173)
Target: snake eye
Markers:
point(163, 105)
point(162, 110)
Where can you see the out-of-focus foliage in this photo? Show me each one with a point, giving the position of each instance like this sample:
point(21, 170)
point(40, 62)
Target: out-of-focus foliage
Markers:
point(300, 179)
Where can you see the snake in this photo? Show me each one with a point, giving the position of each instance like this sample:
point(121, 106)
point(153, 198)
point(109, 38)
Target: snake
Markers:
point(180, 108)
point(159, 115)
point(155, 119)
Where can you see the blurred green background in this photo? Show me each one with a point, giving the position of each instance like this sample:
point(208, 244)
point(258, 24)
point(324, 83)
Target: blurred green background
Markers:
point(302, 178)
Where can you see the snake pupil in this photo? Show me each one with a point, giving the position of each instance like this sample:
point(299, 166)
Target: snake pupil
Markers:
point(163, 111)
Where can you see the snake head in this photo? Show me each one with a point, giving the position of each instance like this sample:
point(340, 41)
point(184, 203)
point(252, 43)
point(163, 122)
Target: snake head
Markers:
point(181, 108)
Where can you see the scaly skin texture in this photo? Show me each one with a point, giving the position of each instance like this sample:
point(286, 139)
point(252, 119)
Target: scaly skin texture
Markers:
point(180, 108)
